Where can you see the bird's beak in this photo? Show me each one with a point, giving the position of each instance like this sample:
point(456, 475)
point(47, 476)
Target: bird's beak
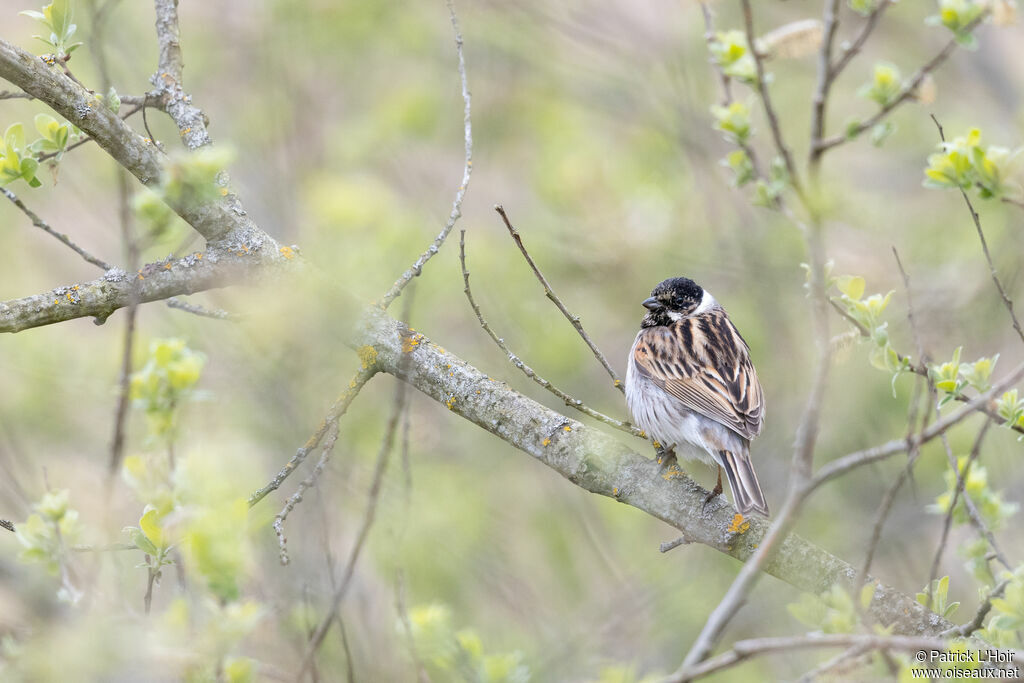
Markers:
point(651, 304)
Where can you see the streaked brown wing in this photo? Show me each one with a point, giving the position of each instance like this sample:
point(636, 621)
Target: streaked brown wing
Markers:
point(704, 362)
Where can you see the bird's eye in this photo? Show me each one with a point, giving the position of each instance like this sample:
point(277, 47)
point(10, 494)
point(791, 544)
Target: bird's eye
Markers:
point(678, 302)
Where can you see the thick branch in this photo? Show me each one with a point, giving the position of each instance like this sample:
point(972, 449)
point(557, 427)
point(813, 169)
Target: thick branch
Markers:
point(213, 220)
point(116, 289)
point(602, 465)
point(174, 100)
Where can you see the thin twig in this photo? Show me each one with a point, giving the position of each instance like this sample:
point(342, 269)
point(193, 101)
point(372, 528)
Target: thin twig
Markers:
point(769, 110)
point(6, 524)
point(550, 293)
point(947, 523)
point(1007, 302)
point(369, 514)
point(124, 394)
point(825, 79)
point(669, 545)
point(842, 465)
point(201, 311)
point(979, 617)
point(727, 99)
point(45, 227)
point(745, 649)
point(832, 666)
point(526, 369)
point(906, 92)
point(341, 405)
point(851, 51)
point(14, 95)
point(296, 498)
point(467, 170)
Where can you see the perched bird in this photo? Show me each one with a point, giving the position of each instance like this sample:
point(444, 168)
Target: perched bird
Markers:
point(691, 386)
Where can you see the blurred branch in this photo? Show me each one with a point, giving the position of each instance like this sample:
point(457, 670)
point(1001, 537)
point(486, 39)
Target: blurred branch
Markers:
point(745, 649)
point(851, 51)
point(7, 525)
point(727, 99)
point(906, 92)
point(156, 281)
point(947, 522)
point(825, 79)
point(550, 293)
point(769, 110)
point(984, 248)
point(45, 227)
point(979, 617)
point(191, 121)
point(296, 498)
point(526, 369)
point(339, 408)
point(201, 311)
point(383, 457)
point(467, 170)
point(14, 95)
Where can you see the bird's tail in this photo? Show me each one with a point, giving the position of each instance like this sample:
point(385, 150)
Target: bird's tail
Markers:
point(746, 491)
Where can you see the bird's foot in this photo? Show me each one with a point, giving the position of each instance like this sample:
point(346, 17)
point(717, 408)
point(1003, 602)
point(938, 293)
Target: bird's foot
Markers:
point(715, 492)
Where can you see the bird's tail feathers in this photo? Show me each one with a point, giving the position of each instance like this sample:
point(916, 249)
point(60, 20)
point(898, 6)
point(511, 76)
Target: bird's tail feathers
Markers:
point(746, 491)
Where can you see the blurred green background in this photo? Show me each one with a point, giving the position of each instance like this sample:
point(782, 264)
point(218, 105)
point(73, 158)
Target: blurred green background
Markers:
point(592, 127)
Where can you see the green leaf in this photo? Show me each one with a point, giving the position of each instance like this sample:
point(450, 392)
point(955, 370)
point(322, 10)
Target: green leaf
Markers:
point(851, 285)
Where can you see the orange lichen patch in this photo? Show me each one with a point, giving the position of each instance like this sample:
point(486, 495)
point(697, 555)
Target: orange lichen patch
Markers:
point(287, 252)
point(672, 473)
point(186, 131)
point(615, 491)
point(738, 525)
point(567, 428)
point(450, 403)
point(198, 254)
point(56, 301)
point(545, 442)
point(75, 287)
point(657, 444)
point(223, 192)
point(367, 356)
point(410, 343)
point(617, 382)
point(167, 266)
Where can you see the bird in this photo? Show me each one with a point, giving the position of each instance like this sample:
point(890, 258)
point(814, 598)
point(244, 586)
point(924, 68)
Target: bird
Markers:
point(691, 386)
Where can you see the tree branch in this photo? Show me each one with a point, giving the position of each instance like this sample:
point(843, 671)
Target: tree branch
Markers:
point(602, 465)
point(174, 100)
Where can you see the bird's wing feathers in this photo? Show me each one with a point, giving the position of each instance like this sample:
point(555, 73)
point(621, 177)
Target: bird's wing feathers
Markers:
point(704, 362)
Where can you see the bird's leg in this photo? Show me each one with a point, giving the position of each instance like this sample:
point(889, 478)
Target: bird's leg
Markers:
point(666, 456)
point(717, 491)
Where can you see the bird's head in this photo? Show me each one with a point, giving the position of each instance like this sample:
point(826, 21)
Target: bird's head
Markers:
point(672, 300)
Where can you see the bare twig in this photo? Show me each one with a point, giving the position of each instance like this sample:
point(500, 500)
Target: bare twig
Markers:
point(296, 498)
point(45, 227)
point(341, 405)
point(550, 293)
point(669, 545)
point(383, 458)
point(907, 92)
point(14, 95)
point(526, 369)
point(835, 665)
point(769, 110)
point(1007, 302)
point(825, 79)
point(201, 311)
point(467, 170)
point(7, 525)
